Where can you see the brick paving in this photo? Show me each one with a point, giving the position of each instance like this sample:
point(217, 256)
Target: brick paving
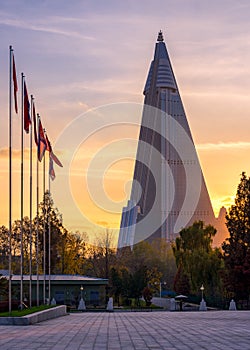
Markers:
point(229, 330)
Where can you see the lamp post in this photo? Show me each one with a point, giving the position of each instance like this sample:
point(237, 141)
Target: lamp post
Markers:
point(160, 286)
point(203, 306)
point(81, 306)
point(202, 290)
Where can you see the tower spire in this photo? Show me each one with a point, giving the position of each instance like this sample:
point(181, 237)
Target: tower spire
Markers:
point(160, 36)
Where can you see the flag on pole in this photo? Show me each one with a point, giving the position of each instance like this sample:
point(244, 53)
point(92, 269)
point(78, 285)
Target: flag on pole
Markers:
point(55, 159)
point(34, 123)
point(14, 82)
point(26, 109)
point(51, 153)
point(52, 158)
point(48, 145)
point(51, 169)
point(42, 145)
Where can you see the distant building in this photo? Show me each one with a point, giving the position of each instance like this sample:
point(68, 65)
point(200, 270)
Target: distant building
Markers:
point(65, 289)
point(168, 191)
point(220, 225)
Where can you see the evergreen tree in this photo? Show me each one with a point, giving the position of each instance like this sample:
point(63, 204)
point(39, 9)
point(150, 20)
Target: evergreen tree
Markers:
point(237, 247)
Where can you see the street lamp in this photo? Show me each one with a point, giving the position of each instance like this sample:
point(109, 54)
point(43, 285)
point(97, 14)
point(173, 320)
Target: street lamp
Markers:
point(202, 290)
point(203, 306)
point(81, 305)
point(160, 286)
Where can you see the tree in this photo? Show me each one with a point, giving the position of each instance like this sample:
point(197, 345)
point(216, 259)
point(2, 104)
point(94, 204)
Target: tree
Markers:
point(16, 244)
point(147, 295)
point(237, 247)
point(125, 278)
point(138, 281)
point(49, 222)
point(198, 263)
point(4, 286)
point(72, 251)
point(147, 264)
point(67, 250)
point(181, 282)
point(116, 283)
point(4, 248)
point(140, 269)
point(164, 260)
point(102, 256)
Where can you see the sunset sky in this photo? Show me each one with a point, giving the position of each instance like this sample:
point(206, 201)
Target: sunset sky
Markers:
point(91, 59)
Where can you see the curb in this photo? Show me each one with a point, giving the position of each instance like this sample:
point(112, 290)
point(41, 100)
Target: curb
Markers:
point(36, 317)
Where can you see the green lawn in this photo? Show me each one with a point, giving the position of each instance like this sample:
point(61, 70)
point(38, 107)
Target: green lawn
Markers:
point(24, 312)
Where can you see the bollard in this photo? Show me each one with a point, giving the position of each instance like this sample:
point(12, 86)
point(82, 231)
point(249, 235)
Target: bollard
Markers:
point(110, 306)
point(203, 306)
point(81, 306)
point(232, 306)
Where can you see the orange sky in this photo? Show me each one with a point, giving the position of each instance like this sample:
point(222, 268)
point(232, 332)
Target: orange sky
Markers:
point(80, 57)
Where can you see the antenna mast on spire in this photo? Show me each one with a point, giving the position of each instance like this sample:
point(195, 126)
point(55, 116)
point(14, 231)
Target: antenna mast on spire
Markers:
point(160, 36)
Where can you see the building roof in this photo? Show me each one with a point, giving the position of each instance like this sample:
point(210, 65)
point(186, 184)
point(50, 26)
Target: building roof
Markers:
point(62, 279)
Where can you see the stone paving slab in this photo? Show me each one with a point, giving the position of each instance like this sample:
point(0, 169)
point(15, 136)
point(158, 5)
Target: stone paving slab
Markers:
point(215, 330)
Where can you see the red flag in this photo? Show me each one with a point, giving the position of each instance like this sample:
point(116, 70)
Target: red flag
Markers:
point(51, 153)
point(42, 145)
point(26, 109)
point(34, 122)
point(48, 145)
point(55, 159)
point(14, 83)
point(51, 169)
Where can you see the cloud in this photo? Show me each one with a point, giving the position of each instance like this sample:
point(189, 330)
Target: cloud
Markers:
point(222, 146)
point(4, 153)
point(227, 200)
point(113, 86)
point(102, 223)
point(42, 27)
point(16, 153)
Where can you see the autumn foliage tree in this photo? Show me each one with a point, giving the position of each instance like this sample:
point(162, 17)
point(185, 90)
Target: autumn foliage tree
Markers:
point(237, 247)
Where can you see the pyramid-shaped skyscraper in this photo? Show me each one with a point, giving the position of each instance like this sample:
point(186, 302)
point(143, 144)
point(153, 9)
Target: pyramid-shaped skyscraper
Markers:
point(168, 191)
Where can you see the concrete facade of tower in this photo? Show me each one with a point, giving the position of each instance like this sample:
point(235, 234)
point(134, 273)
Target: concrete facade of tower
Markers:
point(168, 191)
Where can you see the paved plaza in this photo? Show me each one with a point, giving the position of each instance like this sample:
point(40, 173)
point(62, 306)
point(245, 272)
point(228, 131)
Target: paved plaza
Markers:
point(134, 330)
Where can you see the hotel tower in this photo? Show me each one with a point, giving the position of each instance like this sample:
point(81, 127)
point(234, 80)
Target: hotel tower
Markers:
point(168, 191)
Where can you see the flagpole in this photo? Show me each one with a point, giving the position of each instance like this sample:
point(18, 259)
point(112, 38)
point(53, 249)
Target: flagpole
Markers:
point(31, 235)
point(37, 228)
point(49, 245)
point(10, 173)
point(44, 237)
point(21, 221)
